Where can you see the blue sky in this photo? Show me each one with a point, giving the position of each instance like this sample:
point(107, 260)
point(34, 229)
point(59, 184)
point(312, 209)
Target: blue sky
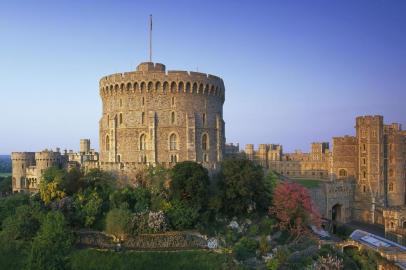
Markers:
point(294, 71)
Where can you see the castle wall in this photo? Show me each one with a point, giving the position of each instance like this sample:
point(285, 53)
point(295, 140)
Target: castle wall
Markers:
point(20, 162)
point(156, 104)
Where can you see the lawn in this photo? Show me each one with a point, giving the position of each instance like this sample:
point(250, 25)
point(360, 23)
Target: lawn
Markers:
point(308, 183)
point(4, 174)
point(196, 259)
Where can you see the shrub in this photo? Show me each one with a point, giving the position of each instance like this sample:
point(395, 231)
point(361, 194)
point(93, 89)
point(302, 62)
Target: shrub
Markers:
point(182, 216)
point(52, 244)
point(118, 222)
point(245, 248)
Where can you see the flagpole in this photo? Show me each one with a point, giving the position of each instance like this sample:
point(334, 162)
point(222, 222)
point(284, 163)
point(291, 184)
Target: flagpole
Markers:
point(150, 38)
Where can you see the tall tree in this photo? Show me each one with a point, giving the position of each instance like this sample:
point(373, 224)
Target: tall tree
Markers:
point(51, 246)
point(190, 184)
point(241, 186)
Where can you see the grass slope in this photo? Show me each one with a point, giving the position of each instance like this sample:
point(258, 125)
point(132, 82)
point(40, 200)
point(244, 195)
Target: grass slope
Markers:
point(196, 260)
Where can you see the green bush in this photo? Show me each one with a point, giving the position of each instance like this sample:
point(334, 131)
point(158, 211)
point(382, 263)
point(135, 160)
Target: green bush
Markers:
point(245, 248)
point(52, 244)
point(118, 222)
point(182, 216)
point(253, 230)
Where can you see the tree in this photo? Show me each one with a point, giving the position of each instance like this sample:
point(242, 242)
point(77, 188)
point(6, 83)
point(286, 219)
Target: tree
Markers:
point(245, 248)
point(88, 207)
point(24, 224)
point(8, 205)
point(293, 208)
point(51, 185)
point(182, 216)
point(5, 185)
point(190, 184)
point(118, 222)
point(51, 246)
point(241, 186)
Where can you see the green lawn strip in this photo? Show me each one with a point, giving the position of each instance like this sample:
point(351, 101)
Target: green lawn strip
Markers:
point(4, 174)
point(194, 259)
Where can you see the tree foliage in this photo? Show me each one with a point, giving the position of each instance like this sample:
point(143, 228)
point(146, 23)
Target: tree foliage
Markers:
point(51, 246)
point(190, 184)
point(293, 208)
point(24, 224)
point(242, 187)
point(118, 222)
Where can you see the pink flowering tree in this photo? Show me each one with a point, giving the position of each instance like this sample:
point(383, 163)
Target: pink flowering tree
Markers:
point(294, 209)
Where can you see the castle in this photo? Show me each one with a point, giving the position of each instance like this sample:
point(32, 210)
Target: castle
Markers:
point(364, 174)
point(150, 116)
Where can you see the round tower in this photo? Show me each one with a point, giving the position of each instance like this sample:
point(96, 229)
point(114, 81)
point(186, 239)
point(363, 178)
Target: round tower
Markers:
point(155, 116)
point(20, 162)
point(46, 159)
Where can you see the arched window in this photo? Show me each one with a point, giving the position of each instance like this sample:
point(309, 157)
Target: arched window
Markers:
point(143, 118)
point(129, 86)
point(205, 144)
point(108, 120)
point(118, 158)
point(157, 86)
point(142, 86)
point(404, 225)
point(173, 117)
point(194, 89)
point(390, 188)
point(180, 87)
point(364, 188)
point(107, 144)
point(173, 87)
point(150, 86)
point(165, 86)
point(204, 119)
point(172, 142)
point(188, 87)
point(143, 144)
point(121, 118)
point(174, 158)
point(392, 225)
point(201, 88)
point(342, 173)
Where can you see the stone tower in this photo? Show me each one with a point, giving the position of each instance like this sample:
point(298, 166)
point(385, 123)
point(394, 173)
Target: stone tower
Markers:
point(154, 116)
point(371, 185)
point(21, 162)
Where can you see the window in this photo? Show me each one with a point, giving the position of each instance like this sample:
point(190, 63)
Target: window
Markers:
point(364, 147)
point(108, 120)
point(174, 158)
point(173, 117)
point(107, 143)
point(205, 158)
point(342, 173)
point(143, 159)
point(364, 188)
point(204, 142)
point(204, 119)
point(118, 158)
point(143, 144)
point(143, 118)
point(121, 118)
point(173, 101)
point(392, 225)
point(390, 188)
point(404, 225)
point(143, 101)
point(364, 161)
point(172, 142)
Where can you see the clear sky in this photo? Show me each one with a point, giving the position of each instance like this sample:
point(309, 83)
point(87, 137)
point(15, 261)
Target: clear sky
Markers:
point(294, 71)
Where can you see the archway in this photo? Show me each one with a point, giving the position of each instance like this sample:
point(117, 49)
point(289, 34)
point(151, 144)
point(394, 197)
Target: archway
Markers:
point(336, 216)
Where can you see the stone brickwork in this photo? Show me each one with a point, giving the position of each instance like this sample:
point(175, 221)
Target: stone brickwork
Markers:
point(296, 165)
point(28, 167)
point(153, 116)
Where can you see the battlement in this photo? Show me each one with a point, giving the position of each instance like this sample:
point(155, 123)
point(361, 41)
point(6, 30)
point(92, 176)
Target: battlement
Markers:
point(369, 119)
point(151, 77)
point(22, 156)
point(47, 155)
point(344, 140)
point(151, 67)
